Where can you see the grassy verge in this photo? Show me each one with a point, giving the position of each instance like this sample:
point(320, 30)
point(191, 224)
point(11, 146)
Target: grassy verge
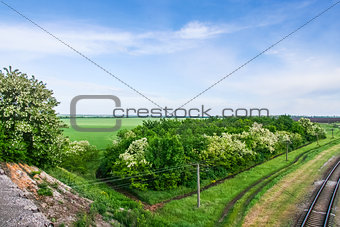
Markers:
point(213, 200)
point(152, 197)
point(240, 209)
point(278, 203)
point(112, 205)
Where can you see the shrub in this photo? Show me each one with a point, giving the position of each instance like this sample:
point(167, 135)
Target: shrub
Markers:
point(312, 130)
point(29, 121)
point(225, 151)
point(4, 145)
point(77, 155)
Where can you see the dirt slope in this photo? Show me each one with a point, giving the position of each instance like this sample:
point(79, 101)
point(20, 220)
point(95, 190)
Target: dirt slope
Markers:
point(54, 201)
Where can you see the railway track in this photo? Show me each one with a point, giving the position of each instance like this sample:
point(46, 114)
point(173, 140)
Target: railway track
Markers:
point(320, 210)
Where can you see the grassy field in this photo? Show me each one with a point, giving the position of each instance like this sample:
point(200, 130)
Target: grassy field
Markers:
point(100, 139)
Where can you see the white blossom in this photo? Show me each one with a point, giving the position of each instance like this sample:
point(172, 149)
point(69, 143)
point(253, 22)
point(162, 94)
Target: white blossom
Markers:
point(135, 154)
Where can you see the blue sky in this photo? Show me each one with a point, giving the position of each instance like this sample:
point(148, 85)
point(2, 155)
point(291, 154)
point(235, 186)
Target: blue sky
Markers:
point(172, 50)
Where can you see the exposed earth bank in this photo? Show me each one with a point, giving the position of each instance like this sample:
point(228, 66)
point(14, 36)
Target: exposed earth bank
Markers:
point(31, 197)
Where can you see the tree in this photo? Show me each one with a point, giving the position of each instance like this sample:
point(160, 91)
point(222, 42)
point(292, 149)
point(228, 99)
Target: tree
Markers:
point(30, 123)
point(312, 130)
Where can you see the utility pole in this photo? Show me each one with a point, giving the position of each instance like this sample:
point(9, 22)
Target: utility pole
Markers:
point(317, 138)
point(332, 133)
point(198, 186)
point(287, 150)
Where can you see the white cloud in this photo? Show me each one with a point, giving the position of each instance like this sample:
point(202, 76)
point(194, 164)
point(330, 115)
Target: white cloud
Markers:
point(97, 40)
point(198, 30)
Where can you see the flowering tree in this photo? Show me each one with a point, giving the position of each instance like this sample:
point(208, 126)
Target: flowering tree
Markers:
point(259, 139)
point(224, 150)
point(30, 122)
point(135, 154)
point(132, 162)
point(312, 130)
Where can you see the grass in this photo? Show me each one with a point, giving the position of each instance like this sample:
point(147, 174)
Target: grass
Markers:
point(284, 206)
point(240, 209)
point(184, 212)
point(84, 219)
point(153, 197)
point(106, 201)
point(44, 189)
point(100, 139)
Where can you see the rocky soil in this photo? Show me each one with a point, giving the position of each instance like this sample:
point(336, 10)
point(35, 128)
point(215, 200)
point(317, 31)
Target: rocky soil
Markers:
point(31, 197)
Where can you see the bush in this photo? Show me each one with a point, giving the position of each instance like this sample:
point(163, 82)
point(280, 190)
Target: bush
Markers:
point(312, 130)
point(225, 151)
point(4, 143)
point(29, 121)
point(77, 155)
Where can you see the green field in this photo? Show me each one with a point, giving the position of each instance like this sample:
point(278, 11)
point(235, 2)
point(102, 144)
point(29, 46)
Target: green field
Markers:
point(100, 139)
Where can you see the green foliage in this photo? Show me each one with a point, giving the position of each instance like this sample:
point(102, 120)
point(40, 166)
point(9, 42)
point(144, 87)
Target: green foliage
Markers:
point(156, 154)
point(28, 120)
point(5, 144)
point(166, 151)
point(225, 151)
point(44, 189)
point(84, 220)
point(111, 204)
point(312, 130)
point(33, 173)
point(78, 155)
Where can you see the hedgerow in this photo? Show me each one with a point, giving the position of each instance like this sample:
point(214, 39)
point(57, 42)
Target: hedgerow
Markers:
point(226, 146)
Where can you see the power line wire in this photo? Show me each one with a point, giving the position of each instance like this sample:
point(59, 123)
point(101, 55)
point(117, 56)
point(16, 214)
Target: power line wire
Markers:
point(261, 53)
point(79, 53)
point(144, 172)
point(130, 177)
